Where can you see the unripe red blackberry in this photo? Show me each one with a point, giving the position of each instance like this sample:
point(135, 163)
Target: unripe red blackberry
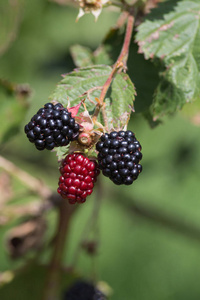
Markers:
point(119, 156)
point(52, 126)
point(82, 290)
point(78, 175)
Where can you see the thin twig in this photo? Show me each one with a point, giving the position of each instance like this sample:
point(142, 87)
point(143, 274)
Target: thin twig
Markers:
point(33, 183)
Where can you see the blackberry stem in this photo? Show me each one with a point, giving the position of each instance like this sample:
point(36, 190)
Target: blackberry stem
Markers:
point(120, 64)
point(51, 288)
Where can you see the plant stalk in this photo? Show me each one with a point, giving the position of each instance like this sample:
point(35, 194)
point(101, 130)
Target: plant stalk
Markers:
point(120, 64)
point(54, 273)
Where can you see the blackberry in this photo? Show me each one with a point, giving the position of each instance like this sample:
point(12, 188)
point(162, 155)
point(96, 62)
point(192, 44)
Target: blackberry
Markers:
point(52, 126)
point(119, 156)
point(78, 175)
point(82, 290)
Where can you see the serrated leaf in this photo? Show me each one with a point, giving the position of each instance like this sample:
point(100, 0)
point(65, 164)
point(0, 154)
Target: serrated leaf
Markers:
point(175, 42)
point(75, 86)
point(119, 99)
point(120, 102)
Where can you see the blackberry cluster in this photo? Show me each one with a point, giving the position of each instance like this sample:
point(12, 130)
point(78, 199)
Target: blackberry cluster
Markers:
point(78, 175)
point(82, 290)
point(51, 127)
point(119, 156)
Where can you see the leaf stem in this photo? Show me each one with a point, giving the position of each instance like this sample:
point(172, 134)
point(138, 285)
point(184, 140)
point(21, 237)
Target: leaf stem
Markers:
point(123, 57)
point(120, 64)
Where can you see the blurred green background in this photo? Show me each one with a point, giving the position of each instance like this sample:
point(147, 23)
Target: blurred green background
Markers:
point(144, 253)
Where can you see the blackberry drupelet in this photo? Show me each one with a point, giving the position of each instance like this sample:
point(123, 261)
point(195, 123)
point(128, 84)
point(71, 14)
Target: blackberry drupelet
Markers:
point(119, 156)
point(82, 290)
point(78, 175)
point(52, 126)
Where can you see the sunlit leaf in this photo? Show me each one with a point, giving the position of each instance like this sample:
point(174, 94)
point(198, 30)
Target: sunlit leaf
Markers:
point(174, 40)
point(119, 104)
point(86, 83)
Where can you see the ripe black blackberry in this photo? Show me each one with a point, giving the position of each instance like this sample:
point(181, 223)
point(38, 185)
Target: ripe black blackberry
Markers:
point(82, 290)
point(119, 156)
point(52, 126)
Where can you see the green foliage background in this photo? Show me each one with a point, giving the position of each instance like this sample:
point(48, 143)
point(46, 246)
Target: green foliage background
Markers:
point(140, 259)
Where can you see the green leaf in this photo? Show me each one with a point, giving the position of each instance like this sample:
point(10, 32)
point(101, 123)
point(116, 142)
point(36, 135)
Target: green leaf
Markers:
point(61, 152)
point(86, 83)
point(83, 83)
point(101, 56)
point(174, 41)
point(119, 104)
point(82, 56)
